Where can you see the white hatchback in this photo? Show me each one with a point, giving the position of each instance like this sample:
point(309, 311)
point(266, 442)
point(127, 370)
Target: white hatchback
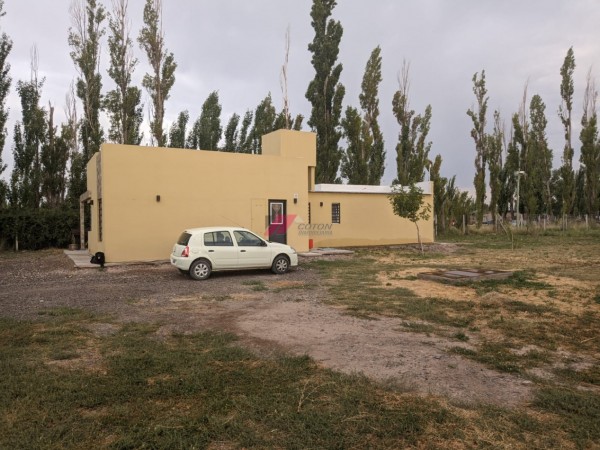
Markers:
point(200, 251)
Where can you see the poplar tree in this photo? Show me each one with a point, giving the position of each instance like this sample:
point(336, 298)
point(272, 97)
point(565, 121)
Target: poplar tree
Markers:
point(355, 159)
point(567, 88)
point(124, 102)
point(412, 150)
point(5, 81)
point(540, 155)
point(76, 182)
point(369, 103)
point(159, 83)
point(177, 132)
point(84, 39)
point(363, 160)
point(284, 121)
point(536, 160)
point(508, 180)
point(439, 191)
point(54, 157)
point(232, 134)
point(325, 92)
point(210, 129)
point(264, 123)
point(590, 148)
point(520, 123)
point(29, 136)
point(495, 147)
point(478, 134)
point(206, 131)
point(245, 137)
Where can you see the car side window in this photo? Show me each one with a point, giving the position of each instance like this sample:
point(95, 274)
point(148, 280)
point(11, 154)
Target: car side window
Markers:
point(245, 239)
point(218, 239)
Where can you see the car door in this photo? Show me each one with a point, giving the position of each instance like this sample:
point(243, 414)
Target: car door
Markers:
point(252, 250)
point(220, 249)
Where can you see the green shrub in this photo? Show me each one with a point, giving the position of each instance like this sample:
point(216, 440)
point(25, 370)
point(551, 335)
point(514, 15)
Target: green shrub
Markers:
point(37, 229)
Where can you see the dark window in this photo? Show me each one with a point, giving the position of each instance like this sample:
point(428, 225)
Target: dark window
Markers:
point(335, 213)
point(184, 239)
point(100, 220)
point(218, 239)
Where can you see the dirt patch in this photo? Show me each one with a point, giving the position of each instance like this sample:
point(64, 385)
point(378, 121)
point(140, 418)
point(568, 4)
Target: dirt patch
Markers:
point(88, 359)
point(288, 315)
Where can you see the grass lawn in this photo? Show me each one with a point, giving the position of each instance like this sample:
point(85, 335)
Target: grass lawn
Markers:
point(75, 380)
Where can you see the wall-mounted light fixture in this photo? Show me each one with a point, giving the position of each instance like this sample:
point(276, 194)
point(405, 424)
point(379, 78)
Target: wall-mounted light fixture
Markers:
point(295, 198)
point(158, 198)
point(321, 204)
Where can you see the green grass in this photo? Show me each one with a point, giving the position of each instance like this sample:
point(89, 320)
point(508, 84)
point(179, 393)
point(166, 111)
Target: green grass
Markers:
point(590, 375)
point(500, 357)
point(518, 280)
point(191, 392)
point(579, 412)
point(257, 285)
point(198, 391)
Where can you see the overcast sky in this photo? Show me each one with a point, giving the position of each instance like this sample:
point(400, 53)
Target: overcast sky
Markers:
point(237, 48)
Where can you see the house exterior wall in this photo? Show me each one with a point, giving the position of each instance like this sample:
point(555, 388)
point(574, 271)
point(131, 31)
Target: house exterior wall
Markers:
point(196, 188)
point(207, 188)
point(365, 219)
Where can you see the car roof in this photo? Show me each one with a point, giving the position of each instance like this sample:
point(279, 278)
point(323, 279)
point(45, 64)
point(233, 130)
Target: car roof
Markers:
point(209, 229)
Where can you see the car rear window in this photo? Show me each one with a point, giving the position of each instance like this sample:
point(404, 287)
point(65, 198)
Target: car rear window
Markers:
point(218, 239)
point(184, 238)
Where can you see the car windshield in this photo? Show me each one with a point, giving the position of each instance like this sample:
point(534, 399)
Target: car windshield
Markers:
point(184, 239)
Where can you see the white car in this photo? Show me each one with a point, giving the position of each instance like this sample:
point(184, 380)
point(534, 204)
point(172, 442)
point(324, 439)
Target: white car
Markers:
point(200, 251)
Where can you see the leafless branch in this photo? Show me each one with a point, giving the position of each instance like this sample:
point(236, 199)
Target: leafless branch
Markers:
point(283, 79)
point(590, 96)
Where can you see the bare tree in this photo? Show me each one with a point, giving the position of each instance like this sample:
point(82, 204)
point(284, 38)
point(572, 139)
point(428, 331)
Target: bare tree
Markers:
point(283, 80)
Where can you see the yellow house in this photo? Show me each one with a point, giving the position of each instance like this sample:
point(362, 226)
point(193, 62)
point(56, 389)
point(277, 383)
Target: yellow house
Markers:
point(143, 197)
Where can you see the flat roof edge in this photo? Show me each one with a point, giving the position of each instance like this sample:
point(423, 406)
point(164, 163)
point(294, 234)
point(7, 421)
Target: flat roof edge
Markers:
point(364, 189)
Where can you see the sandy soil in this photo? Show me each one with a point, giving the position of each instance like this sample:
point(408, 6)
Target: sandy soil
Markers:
point(271, 315)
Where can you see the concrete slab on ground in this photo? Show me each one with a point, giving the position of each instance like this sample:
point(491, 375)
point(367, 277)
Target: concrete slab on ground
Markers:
point(81, 259)
point(462, 276)
point(326, 251)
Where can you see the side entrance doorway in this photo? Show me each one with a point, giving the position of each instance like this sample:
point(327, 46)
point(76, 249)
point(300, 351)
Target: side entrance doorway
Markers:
point(277, 221)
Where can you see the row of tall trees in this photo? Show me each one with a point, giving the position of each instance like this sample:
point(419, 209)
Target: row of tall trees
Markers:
point(360, 161)
point(49, 159)
point(521, 176)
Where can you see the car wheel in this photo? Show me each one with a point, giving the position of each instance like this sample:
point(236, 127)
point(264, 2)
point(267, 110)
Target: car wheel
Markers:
point(280, 265)
point(200, 270)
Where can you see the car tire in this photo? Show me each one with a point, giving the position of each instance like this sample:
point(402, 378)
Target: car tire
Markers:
point(200, 269)
point(281, 264)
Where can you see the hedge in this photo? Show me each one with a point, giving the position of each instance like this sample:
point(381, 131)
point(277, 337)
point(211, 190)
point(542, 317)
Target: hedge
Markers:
point(37, 229)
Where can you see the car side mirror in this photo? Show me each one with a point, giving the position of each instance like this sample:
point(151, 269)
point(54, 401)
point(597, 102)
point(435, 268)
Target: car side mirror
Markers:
point(263, 244)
